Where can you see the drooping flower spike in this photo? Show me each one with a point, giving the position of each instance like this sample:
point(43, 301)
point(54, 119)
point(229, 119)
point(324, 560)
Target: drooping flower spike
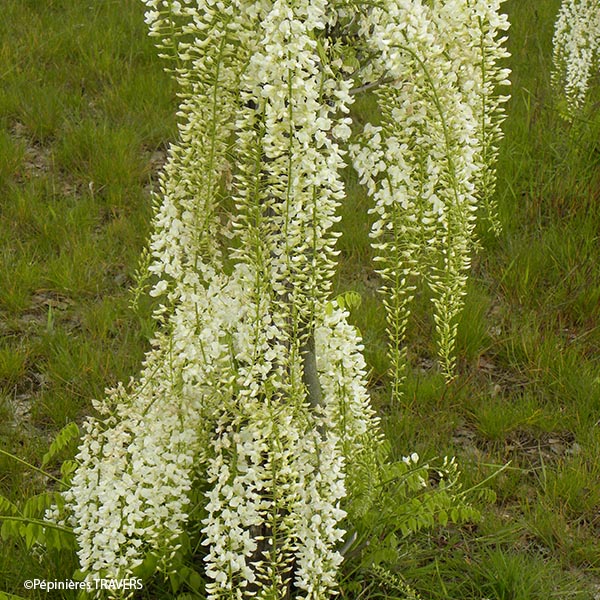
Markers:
point(576, 51)
point(429, 164)
point(254, 391)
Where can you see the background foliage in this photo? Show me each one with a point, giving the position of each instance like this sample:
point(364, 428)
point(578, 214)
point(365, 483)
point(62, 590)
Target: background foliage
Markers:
point(85, 116)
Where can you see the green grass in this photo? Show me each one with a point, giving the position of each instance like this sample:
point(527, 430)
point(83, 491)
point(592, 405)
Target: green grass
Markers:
point(85, 116)
point(85, 113)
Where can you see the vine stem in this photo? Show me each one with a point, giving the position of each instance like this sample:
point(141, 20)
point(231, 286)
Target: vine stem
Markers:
point(24, 462)
point(36, 522)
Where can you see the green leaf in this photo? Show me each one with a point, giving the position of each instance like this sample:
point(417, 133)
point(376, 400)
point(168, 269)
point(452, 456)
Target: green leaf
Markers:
point(348, 300)
point(7, 507)
point(380, 555)
point(353, 299)
point(176, 580)
point(56, 539)
point(53, 539)
point(184, 544)
point(64, 437)
point(147, 568)
point(443, 518)
point(33, 533)
point(34, 506)
point(9, 530)
point(412, 524)
point(67, 469)
point(195, 580)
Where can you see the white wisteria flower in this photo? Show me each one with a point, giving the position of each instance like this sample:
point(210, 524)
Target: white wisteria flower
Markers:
point(252, 407)
point(252, 389)
point(430, 163)
point(576, 50)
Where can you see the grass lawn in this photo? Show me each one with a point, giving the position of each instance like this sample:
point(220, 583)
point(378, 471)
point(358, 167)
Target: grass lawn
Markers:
point(86, 115)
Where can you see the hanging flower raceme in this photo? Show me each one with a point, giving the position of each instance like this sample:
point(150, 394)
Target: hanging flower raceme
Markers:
point(473, 34)
point(253, 390)
point(253, 397)
point(293, 110)
point(138, 461)
point(430, 161)
point(576, 50)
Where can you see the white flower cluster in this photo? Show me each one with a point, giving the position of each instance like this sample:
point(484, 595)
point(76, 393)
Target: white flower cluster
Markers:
point(211, 405)
point(430, 162)
point(576, 50)
point(209, 44)
point(252, 387)
point(292, 113)
point(138, 461)
point(129, 494)
point(274, 508)
point(474, 37)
